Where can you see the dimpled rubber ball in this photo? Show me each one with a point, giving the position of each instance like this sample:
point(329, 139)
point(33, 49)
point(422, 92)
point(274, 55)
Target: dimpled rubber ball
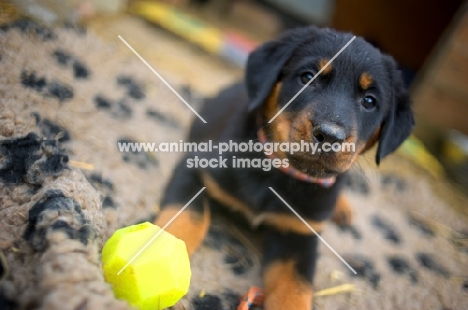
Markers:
point(157, 278)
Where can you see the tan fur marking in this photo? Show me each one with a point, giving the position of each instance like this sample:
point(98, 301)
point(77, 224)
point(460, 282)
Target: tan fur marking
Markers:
point(322, 64)
point(189, 226)
point(301, 126)
point(365, 80)
point(283, 222)
point(215, 191)
point(270, 108)
point(287, 223)
point(280, 127)
point(343, 214)
point(284, 289)
point(347, 159)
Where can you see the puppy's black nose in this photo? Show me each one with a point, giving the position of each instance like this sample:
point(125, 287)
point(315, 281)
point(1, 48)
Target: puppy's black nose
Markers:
point(330, 133)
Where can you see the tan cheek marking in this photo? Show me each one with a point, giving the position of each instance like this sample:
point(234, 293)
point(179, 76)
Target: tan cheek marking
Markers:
point(271, 105)
point(347, 159)
point(322, 64)
point(365, 80)
point(284, 289)
point(280, 127)
point(287, 223)
point(302, 126)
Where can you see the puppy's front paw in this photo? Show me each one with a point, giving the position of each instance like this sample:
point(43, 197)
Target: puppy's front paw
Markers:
point(343, 214)
point(285, 288)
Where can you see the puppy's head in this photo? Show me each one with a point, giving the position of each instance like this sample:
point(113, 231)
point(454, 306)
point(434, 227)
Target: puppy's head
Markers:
point(358, 99)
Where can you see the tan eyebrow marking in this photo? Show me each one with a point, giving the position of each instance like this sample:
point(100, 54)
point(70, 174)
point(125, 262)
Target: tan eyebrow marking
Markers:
point(365, 80)
point(322, 64)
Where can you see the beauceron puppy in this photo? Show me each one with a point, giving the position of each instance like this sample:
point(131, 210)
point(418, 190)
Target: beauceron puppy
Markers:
point(359, 98)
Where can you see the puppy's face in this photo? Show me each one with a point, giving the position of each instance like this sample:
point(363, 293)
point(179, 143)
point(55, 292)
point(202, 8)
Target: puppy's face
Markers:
point(355, 101)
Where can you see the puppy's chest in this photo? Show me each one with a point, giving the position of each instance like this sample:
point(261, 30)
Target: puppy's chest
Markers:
point(249, 193)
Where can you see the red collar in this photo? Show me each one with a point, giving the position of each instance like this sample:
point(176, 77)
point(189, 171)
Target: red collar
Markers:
point(325, 182)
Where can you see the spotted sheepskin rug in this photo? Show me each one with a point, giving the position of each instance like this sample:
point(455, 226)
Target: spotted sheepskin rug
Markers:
point(67, 98)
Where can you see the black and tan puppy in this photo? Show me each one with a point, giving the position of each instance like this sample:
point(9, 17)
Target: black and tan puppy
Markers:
point(359, 98)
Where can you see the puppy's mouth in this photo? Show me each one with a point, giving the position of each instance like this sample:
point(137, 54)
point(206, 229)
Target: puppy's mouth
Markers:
point(319, 168)
point(316, 168)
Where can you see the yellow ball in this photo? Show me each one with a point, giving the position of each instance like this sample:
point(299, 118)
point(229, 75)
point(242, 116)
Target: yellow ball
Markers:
point(157, 278)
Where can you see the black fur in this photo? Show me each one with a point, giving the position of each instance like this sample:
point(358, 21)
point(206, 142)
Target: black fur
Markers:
point(266, 62)
point(399, 121)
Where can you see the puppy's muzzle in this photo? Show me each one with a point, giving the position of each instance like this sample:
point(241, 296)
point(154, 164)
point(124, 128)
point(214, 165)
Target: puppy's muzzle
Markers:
point(330, 133)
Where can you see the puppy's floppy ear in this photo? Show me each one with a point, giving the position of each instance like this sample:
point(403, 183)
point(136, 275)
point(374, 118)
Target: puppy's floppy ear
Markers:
point(265, 63)
point(399, 121)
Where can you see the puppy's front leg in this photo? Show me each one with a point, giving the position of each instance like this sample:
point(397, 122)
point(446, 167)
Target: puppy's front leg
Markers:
point(343, 213)
point(289, 269)
point(192, 224)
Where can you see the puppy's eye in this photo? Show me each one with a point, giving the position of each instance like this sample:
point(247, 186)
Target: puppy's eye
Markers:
point(369, 102)
point(306, 77)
